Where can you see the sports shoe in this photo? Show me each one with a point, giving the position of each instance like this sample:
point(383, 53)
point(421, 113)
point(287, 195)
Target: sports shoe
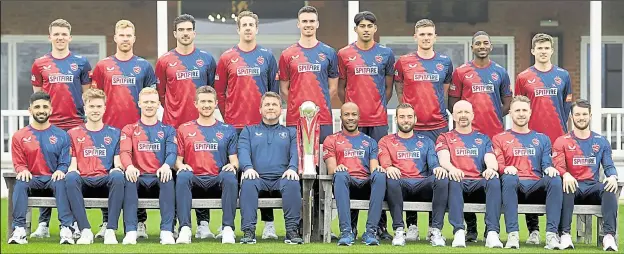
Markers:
point(534, 238)
point(219, 232)
point(184, 237)
point(399, 237)
point(166, 237)
point(552, 241)
point(412, 233)
point(18, 236)
point(292, 237)
point(346, 239)
point(227, 235)
point(110, 237)
point(131, 238)
point(492, 240)
point(436, 238)
point(471, 236)
point(459, 239)
point(249, 237)
point(608, 243)
point(383, 234)
point(66, 236)
point(269, 231)
point(513, 241)
point(566, 242)
point(141, 230)
point(370, 237)
point(203, 231)
point(86, 237)
point(76, 230)
point(100, 234)
point(42, 231)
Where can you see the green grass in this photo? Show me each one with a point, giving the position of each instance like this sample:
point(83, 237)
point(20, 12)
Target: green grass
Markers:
point(202, 246)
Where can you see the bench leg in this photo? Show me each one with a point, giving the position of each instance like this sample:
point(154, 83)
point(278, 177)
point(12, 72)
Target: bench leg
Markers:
point(599, 232)
point(580, 233)
point(588, 228)
point(327, 211)
point(10, 185)
point(307, 209)
point(29, 221)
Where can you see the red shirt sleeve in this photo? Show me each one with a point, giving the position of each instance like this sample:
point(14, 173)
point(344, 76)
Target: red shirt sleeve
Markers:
point(398, 71)
point(519, 85)
point(342, 67)
point(180, 142)
point(455, 90)
point(284, 72)
point(125, 146)
point(500, 156)
point(558, 154)
point(329, 148)
point(161, 80)
point(36, 79)
point(441, 144)
point(96, 77)
point(220, 84)
point(384, 153)
point(20, 163)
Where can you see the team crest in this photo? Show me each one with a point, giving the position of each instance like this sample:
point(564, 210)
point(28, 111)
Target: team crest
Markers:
point(440, 67)
point(378, 58)
point(419, 144)
point(73, 66)
point(536, 142)
point(283, 135)
point(478, 141)
point(108, 140)
point(219, 135)
point(558, 80)
point(322, 56)
point(137, 69)
point(199, 62)
point(161, 134)
point(494, 76)
point(52, 139)
point(260, 60)
point(596, 148)
point(365, 143)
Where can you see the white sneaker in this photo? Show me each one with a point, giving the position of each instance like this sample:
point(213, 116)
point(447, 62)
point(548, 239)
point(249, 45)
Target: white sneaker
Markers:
point(66, 236)
point(76, 230)
point(42, 231)
point(185, 236)
point(228, 235)
point(459, 239)
point(608, 243)
point(566, 242)
point(110, 237)
point(534, 238)
point(100, 234)
point(493, 240)
point(513, 241)
point(269, 231)
point(437, 239)
point(131, 238)
point(141, 230)
point(203, 231)
point(399, 237)
point(552, 241)
point(18, 236)
point(219, 232)
point(166, 237)
point(86, 237)
point(412, 233)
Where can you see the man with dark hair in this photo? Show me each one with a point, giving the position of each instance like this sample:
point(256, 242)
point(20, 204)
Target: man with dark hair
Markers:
point(578, 156)
point(40, 154)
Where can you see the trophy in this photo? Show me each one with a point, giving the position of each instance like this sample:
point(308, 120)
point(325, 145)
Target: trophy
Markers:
point(308, 132)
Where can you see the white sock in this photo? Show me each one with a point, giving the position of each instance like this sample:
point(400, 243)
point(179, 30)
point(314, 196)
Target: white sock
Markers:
point(268, 223)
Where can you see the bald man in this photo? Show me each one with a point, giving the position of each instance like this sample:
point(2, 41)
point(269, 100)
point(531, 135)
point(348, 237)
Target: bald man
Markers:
point(472, 167)
point(351, 157)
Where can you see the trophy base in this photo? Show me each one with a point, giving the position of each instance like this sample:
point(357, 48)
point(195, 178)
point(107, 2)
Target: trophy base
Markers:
point(308, 165)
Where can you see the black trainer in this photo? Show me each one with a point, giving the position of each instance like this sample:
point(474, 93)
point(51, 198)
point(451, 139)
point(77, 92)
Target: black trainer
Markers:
point(292, 237)
point(383, 234)
point(249, 237)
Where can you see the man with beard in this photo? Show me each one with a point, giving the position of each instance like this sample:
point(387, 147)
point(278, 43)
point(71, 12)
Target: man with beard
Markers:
point(578, 156)
point(122, 76)
point(485, 84)
point(422, 79)
point(95, 167)
point(207, 164)
point(473, 172)
point(351, 156)
point(550, 90)
point(245, 73)
point(366, 71)
point(269, 162)
point(148, 153)
point(64, 76)
point(40, 154)
point(179, 72)
point(413, 173)
point(526, 170)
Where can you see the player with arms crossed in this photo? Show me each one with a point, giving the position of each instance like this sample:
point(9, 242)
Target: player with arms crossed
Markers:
point(206, 164)
point(40, 154)
point(95, 167)
point(422, 79)
point(351, 156)
point(148, 151)
point(550, 90)
point(485, 84)
point(473, 172)
point(527, 173)
point(413, 173)
point(64, 76)
point(578, 156)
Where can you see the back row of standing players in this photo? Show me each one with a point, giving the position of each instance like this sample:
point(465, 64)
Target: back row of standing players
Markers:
point(363, 72)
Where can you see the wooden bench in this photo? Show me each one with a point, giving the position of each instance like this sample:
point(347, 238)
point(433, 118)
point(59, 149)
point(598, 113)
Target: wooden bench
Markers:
point(307, 180)
point(584, 212)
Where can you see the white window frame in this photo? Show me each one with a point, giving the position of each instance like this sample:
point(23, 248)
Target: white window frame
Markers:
point(234, 39)
point(584, 42)
point(12, 40)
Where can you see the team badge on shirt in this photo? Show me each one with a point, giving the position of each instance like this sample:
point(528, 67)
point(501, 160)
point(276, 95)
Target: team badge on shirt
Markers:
point(494, 76)
point(161, 135)
point(199, 62)
point(379, 58)
point(283, 135)
point(137, 69)
point(558, 80)
point(535, 142)
point(440, 67)
point(596, 148)
point(478, 141)
point(219, 135)
point(365, 143)
point(73, 66)
point(419, 144)
point(322, 56)
point(108, 140)
point(260, 60)
point(52, 139)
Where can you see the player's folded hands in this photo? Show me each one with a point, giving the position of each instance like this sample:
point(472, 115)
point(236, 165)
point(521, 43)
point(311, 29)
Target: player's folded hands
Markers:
point(24, 176)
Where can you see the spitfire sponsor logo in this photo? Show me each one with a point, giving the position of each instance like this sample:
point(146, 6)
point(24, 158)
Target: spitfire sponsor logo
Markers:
point(467, 152)
point(595, 148)
point(145, 146)
point(423, 76)
point(121, 80)
point(108, 140)
point(378, 58)
point(94, 152)
point(247, 71)
point(308, 67)
point(494, 76)
point(73, 66)
point(558, 80)
point(322, 56)
point(60, 79)
point(354, 153)
point(535, 141)
point(583, 161)
point(482, 88)
point(440, 67)
point(408, 155)
point(539, 92)
point(136, 69)
point(366, 70)
point(205, 146)
point(183, 75)
point(521, 152)
point(260, 60)
point(199, 62)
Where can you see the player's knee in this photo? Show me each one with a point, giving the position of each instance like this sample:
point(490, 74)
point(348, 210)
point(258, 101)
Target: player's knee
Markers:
point(555, 182)
point(442, 182)
point(229, 179)
point(493, 183)
point(117, 178)
point(289, 186)
point(455, 186)
point(184, 177)
point(392, 184)
point(20, 185)
point(249, 185)
point(72, 179)
point(510, 180)
point(378, 176)
point(341, 177)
